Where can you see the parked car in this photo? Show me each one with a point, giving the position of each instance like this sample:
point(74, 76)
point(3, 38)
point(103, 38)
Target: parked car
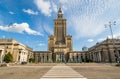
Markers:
point(23, 63)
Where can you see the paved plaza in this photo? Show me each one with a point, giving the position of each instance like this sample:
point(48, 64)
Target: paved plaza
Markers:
point(61, 71)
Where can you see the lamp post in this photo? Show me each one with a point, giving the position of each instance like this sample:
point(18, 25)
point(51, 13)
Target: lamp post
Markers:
point(110, 24)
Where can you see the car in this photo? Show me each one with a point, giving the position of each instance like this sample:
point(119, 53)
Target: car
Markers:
point(23, 63)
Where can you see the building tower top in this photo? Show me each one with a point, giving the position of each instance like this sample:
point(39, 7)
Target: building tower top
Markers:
point(60, 10)
point(60, 13)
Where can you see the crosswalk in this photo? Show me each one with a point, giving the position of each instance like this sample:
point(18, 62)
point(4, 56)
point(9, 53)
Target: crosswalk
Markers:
point(61, 71)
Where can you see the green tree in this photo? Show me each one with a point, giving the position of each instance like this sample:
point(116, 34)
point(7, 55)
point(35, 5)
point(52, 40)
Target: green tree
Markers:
point(8, 57)
point(31, 60)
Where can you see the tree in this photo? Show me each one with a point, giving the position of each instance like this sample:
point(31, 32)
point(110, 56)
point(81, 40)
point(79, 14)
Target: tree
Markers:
point(8, 57)
point(31, 60)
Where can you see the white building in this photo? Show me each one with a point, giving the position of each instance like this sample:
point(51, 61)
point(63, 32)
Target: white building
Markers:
point(19, 51)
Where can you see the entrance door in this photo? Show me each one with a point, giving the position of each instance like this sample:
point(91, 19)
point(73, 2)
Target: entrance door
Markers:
point(60, 57)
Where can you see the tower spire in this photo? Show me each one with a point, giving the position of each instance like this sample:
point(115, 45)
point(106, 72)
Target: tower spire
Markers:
point(60, 7)
point(60, 11)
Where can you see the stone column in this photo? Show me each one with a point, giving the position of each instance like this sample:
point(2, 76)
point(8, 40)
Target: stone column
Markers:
point(106, 56)
point(112, 53)
point(97, 53)
point(91, 56)
point(1, 55)
point(94, 56)
point(36, 58)
point(99, 56)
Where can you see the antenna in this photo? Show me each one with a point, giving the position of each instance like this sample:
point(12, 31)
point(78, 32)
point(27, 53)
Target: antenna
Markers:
point(60, 4)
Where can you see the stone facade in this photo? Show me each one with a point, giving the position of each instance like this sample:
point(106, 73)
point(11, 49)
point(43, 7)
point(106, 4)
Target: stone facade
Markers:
point(105, 51)
point(19, 51)
point(60, 47)
point(42, 56)
point(1, 55)
point(60, 43)
point(76, 57)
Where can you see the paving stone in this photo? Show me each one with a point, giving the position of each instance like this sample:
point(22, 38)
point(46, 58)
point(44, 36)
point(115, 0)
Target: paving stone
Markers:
point(61, 71)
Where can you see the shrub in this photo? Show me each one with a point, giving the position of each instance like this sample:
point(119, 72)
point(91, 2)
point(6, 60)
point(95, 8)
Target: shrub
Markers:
point(8, 57)
point(31, 60)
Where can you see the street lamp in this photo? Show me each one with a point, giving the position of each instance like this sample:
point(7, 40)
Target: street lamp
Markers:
point(110, 24)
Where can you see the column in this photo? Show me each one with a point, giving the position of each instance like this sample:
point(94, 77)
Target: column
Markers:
point(2, 55)
point(63, 58)
point(96, 56)
point(113, 55)
point(36, 58)
point(99, 56)
point(93, 56)
point(60, 57)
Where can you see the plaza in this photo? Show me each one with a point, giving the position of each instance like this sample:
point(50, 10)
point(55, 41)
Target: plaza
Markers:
point(60, 48)
point(59, 39)
point(46, 70)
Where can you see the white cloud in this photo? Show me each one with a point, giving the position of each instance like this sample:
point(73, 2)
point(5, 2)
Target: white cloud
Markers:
point(63, 1)
point(47, 7)
point(101, 39)
point(54, 7)
point(117, 35)
point(29, 11)
point(47, 29)
point(44, 6)
point(86, 18)
point(10, 12)
point(85, 26)
point(41, 44)
point(90, 40)
point(20, 28)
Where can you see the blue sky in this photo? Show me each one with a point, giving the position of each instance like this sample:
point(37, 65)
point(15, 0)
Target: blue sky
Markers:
point(31, 21)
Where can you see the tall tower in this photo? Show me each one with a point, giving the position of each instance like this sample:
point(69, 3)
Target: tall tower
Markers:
point(60, 43)
point(60, 28)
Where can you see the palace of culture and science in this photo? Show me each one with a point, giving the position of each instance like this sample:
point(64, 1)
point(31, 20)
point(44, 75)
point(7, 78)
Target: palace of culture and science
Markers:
point(59, 45)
